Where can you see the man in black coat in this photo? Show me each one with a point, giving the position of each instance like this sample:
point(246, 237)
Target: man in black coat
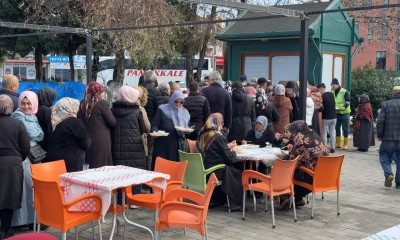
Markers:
point(198, 107)
point(219, 99)
point(328, 117)
point(165, 92)
point(10, 87)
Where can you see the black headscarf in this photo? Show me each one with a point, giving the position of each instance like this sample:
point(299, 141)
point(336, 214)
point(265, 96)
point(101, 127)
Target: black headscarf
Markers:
point(46, 96)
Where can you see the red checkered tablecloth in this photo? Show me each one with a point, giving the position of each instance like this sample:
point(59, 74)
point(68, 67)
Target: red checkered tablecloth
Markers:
point(265, 155)
point(103, 181)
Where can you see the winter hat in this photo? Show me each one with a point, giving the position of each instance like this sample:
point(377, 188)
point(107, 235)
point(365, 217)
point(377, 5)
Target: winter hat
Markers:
point(243, 78)
point(335, 81)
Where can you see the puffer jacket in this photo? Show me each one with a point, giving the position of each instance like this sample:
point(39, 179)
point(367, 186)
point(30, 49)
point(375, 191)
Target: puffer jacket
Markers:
point(388, 124)
point(127, 146)
point(163, 98)
point(151, 106)
point(198, 108)
point(243, 117)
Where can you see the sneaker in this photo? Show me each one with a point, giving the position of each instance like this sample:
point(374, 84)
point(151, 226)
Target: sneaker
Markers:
point(389, 180)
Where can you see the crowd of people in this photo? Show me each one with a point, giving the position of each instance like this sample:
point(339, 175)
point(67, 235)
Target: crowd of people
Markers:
point(92, 132)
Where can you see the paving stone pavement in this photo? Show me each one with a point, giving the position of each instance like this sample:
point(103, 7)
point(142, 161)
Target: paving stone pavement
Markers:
point(367, 207)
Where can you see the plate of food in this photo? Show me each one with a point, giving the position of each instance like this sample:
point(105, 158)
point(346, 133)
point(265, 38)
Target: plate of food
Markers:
point(183, 129)
point(159, 133)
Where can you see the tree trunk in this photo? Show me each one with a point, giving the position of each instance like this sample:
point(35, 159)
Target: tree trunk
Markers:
point(71, 60)
point(205, 43)
point(190, 43)
point(119, 68)
point(39, 61)
point(225, 73)
point(95, 65)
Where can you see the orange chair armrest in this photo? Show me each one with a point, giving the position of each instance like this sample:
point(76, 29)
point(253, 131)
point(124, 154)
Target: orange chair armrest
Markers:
point(174, 194)
point(95, 197)
point(306, 170)
point(178, 206)
point(251, 174)
point(174, 183)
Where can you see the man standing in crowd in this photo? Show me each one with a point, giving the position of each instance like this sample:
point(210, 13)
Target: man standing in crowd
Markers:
point(328, 117)
point(219, 99)
point(342, 101)
point(388, 131)
point(198, 107)
point(165, 91)
point(150, 81)
point(174, 86)
point(10, 88)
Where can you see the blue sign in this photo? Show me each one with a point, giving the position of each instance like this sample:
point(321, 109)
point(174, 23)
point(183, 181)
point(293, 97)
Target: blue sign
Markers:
point(58, 59)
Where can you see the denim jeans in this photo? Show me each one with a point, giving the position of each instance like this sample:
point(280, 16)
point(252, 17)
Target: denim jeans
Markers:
point(329, 126)
point(389, 151)
point(343, 121)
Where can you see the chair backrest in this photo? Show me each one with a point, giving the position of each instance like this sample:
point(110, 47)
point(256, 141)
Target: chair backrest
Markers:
point(48, 194)
point(176, 170)
point(48, 171)
point(33, 236)
point(327, 172)
point(282, 174)
point(195, 178)
point(211, 184)
point(192, 146)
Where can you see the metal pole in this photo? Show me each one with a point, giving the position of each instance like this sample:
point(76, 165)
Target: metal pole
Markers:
point(89, 53)
point(303, 67)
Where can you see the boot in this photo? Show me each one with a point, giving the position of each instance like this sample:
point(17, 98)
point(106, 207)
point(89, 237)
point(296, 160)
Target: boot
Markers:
point(345, 143)
point(338, 142)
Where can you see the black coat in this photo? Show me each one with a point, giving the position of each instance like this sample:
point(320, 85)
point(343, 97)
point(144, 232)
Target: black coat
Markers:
point(218, 153)
point(198, 108)
point(267, 136)
point(243, 117)
point(14, 97)
point(69, 141)
point(14, 147)
point(163, 98)
point(127, 145)
point(220, 101)
point(44, 118)
point(151, 106)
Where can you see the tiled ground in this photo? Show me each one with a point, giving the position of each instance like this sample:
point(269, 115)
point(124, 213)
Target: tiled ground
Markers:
point(367, 207)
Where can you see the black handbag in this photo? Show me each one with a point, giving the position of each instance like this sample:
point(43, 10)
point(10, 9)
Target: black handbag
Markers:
point(183, 144)
point(36, 154)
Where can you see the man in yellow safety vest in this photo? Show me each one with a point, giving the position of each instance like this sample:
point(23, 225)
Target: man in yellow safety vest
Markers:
point(342, 101)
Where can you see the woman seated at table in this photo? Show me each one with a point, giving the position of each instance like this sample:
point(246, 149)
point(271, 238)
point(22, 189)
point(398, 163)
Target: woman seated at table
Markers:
point(261, 134)
point(215, 150)
point(69, 139)
point(308, 145)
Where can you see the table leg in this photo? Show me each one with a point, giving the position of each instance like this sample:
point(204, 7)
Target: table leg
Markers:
point(132, 223)
point(114, 214)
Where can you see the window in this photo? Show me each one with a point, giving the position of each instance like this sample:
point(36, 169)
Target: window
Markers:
point(381, 60)
point(333, 67)
point(386, 2)
point(61, 75)
point(20, 72)
point(383, 32)
point(357, 28)
point(370, 31)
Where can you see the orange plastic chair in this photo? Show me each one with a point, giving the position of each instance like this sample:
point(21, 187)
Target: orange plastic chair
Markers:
point(176, 171)
point(178, 214)
point(33, 236)
point(192, 146)
point(46, 171)
point(279, 182)
point(56, 214)
point(326, 177)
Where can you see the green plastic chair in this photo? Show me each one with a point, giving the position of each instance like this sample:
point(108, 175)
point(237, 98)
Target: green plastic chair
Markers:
point(195, 175)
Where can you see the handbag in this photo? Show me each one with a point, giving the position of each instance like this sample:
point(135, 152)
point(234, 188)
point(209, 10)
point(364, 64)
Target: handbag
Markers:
point(36, 154)
point(183, 144)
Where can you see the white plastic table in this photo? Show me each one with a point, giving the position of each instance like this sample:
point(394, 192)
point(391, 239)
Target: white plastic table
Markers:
point(103, 181)
point(257, 155)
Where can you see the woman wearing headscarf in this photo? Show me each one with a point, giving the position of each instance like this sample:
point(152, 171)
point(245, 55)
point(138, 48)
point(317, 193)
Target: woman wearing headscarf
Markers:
point(69, 139)
point(363, 135)
point(46, 97)
point(127, 145)
point(27, 108)
point(215, 150)
point(98, 119)
point(309, 108)
point(167, 117)
point(261, 134)
point(283, 108)
point(308, 146)
point(14, 147)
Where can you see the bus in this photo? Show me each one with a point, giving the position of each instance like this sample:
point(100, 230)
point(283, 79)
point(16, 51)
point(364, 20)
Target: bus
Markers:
point(165, 71)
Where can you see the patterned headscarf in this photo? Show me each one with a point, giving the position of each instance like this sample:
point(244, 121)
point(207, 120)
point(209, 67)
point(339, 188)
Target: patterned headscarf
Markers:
point(297, 126)
point(6, 105)
point(32, 97)
point(46, 96)
point(264, 121)
point(92, 96)
point(128, 94)
point(64, 108)
point(363, 98)
point(279, 90)
point(210, 131)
